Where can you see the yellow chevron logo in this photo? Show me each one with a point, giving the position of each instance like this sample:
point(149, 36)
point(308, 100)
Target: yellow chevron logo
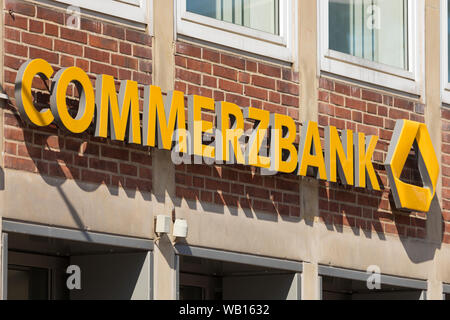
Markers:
point(408, 134)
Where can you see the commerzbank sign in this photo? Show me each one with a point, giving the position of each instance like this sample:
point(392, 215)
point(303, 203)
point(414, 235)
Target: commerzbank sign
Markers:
point(269, 145)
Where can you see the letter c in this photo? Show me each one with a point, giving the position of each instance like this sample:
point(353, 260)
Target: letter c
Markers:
point(23, 95)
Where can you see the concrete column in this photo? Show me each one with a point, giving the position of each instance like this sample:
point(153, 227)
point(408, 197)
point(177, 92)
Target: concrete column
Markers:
point(163, 168)
point(433, 121)
point(310, 282)
point(2, 176)
point(309, 83)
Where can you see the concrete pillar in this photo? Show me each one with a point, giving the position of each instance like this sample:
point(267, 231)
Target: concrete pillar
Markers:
point(2, 176)
point(309, 83)
point(311, 282)
point(433, 121)
point(163, 168)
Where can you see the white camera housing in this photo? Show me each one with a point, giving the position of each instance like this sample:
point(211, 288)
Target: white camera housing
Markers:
point(180, 228)
point(163, 224)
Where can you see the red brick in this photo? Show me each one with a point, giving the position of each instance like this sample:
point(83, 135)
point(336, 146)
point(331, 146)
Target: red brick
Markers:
point(138, 37)
point(211, 55)
point(343, 113)
point(199, 66)
point(36, 26)
point(398, 114)
point(233, 61)
point(274, 97)
point(263, 82)
point(373, 120)
point(68, 47)
point(49, 56)
point(74, 35)
point(372, 96)
point(209, 81)
point(342, 89)
point(142, 52)
point(145, 66)
point(226, 73)
point(290, 100)
point(19, 164)
point(125, 48)
point(326, 84)
point(94, 26)
point(270, 71)
point(128, 169)
point(239, 100)
point(287, 87)
point(188, 76)
point(230, 86)
point(103, 43)
point(102, 165)
point(142, 78)
point(403, 104)
point(15, 49)
point(124, 61)
point(99, 68)
point(51, 29)
point(98, 55)
point(189, 50)
point(95, 177)
point(20, 7)
point(114, 31)
point(337, 99)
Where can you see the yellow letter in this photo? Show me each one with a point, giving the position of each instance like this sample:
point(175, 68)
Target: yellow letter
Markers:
point(117, 110)
point(197, 126)
point(310, 153)
point(281, 141)
point(162, 117)
point(364, 171)
point(228, 134)
point(23, 94)
point(252, 157)
point(339, 155)
point(58, 104)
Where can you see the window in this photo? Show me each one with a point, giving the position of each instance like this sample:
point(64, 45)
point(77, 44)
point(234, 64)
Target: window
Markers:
point(263, 27)
point(132, 10)
point(375, 41)
point(256, 14)
point(445, 34)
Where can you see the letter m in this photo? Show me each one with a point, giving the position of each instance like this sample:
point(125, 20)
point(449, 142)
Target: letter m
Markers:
point(122, 113)
point(161, 118)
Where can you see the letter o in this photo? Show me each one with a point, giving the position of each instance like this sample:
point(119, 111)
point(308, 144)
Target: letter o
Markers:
point(23, 95)
point(58, 103)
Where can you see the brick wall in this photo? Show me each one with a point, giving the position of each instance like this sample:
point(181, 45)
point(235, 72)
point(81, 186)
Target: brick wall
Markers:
point(39, 31)
point(246, 82)
point(99, 47)
point(373, 113)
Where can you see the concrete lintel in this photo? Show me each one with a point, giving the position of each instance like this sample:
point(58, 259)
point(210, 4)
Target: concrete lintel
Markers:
point(76, 235)
point(185, 250)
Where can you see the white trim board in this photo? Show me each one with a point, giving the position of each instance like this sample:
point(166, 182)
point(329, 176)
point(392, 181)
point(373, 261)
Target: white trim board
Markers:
point(280, 47)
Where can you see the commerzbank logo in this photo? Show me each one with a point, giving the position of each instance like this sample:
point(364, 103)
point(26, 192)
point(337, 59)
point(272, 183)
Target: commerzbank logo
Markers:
point(249, 136)
point(407, 135)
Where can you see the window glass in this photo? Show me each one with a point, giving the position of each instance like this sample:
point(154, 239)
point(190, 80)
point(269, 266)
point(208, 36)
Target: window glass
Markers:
point(375, 30)
point(261, 15)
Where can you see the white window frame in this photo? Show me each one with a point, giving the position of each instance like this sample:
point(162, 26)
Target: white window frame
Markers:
point(409, 81)
point(279, 47)
point(445, 85)
point(133, 10)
